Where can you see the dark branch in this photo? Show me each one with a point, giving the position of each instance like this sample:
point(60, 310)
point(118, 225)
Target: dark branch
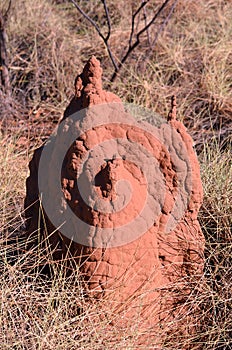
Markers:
point(94, 24)
point(5, 16)
point(133, 20)
point(134, 39)
point(137, 41)
point(152, 20)
point(108, 19)
point(145, 21)
point(4, 70)
point(88, 18)
point(164, 23)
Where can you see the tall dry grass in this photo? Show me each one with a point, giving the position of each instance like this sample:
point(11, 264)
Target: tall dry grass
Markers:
point(48, 43)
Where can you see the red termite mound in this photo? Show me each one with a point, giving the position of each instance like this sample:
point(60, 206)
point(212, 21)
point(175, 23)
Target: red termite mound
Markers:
point(155, 242)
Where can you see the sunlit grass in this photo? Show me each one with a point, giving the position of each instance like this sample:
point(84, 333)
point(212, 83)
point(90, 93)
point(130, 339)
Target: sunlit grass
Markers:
point(48, 43)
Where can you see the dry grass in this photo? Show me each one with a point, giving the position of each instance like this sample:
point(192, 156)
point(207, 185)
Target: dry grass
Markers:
point(48, 43)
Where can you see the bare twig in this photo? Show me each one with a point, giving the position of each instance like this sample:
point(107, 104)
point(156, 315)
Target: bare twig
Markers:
point(134, 15)
point(5, 16)
point(149, 23)
point(4, 71)
point(108, 20)
point(145, 21)
point(135, 34)
point(161, 28)
point(131, 46)
point(94, 24)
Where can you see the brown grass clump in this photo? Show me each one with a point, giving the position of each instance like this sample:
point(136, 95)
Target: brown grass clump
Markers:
point(48, 42)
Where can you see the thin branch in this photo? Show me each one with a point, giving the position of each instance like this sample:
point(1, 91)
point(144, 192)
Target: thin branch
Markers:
point(4, 71)
point(133, 20)
point(145, 21)
point(5, 16)
point(94, 24)
point(159, 31)
point(88, 18)
point(108, 20)
point(136, 37)
point(151, 21)
point(108, 35)
point(137, 41)
point(164, 23)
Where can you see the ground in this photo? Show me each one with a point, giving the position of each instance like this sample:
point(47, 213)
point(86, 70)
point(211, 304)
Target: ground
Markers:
point(48, 43)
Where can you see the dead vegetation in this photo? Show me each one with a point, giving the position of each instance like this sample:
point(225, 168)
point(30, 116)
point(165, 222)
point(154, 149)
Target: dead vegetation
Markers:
point(47, 44)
